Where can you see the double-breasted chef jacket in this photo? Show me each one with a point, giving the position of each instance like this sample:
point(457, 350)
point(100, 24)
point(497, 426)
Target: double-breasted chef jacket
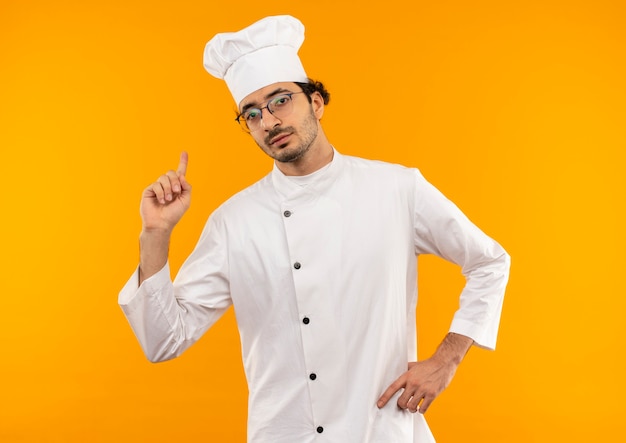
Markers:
point(322, 274)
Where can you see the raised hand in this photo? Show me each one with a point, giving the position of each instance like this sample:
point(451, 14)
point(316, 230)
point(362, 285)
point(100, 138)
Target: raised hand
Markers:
point(163, 204)
point(165, 201)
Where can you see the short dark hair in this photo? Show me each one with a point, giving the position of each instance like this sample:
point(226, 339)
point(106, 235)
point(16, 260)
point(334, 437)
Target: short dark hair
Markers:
point(314, 86)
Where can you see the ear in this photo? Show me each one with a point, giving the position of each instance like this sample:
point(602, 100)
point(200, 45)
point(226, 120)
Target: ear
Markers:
point(317, 103)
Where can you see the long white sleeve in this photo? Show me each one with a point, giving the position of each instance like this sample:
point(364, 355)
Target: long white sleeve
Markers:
point(167, 318)
point(442, 229)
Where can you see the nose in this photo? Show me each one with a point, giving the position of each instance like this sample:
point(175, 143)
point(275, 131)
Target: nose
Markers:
point(269, 120)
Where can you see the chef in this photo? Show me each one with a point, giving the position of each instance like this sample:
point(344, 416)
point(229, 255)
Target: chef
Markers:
point(319, 261)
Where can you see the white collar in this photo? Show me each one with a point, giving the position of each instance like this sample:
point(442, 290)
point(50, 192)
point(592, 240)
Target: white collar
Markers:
point(315, 183)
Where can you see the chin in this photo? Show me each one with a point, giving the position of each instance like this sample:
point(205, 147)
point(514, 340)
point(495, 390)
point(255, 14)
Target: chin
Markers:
point(289, 156)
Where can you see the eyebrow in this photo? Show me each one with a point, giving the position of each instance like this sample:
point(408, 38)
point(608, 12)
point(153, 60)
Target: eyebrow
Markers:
point(267, 97)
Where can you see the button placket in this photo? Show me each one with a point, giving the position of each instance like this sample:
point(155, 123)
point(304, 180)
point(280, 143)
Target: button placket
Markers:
point(319, 255)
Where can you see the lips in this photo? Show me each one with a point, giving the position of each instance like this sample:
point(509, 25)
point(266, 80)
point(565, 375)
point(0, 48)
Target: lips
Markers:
point(279, 138)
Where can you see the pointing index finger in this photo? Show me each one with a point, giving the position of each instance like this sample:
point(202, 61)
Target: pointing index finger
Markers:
point(182, 166)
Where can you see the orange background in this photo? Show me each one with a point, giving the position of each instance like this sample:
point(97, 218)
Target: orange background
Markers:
point(515, 110)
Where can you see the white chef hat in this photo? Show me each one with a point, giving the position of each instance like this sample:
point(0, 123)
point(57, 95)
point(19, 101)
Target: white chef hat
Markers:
point(265, 52)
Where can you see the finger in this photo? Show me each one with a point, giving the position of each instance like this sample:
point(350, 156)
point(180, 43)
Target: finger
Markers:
point(391, 390)
point(157, 192)
point(403, 400)
point(425, 404)
point(414, 403)
point(174, 181)
point(182, 165)
point(164, 181)
point(184, 183)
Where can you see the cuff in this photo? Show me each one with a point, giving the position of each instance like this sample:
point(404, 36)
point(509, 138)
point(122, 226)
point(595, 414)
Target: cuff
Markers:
point(151, 285)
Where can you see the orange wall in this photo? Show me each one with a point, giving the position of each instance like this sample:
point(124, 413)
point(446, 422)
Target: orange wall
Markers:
point(516, 110)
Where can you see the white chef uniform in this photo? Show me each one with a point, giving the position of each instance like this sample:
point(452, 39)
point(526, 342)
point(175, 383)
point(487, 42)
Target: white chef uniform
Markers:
point(323, 282)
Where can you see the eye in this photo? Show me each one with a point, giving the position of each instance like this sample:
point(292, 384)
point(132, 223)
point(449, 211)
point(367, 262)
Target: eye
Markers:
point(252, 114)
point(279, 101)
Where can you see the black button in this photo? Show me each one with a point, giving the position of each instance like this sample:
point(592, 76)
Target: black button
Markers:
point(313, 376)
point(297, 265)
point(306, 320)
point(287, 213)
point(320, 429)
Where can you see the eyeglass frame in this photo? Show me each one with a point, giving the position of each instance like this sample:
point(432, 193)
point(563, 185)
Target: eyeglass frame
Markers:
point(242, 122)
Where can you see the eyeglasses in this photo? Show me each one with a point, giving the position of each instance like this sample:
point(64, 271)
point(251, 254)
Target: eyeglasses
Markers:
point(279, 106)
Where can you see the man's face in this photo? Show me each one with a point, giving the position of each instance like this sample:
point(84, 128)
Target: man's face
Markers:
point(288, 138)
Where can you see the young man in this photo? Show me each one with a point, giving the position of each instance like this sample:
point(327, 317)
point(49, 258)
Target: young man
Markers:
point(319, 261)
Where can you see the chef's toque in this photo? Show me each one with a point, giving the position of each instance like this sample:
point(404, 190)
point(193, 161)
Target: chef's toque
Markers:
point(265, 52)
